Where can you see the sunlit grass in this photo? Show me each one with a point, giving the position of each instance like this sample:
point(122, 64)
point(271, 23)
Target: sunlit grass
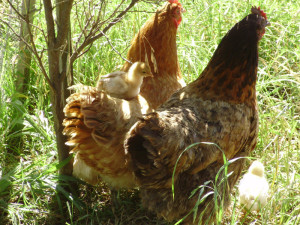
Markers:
point(28, 170)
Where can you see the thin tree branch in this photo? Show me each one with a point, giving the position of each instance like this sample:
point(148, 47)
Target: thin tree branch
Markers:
point(16, 18)
point(107, 38)
point(85, 51)
point(96, 25)
point(94, 38)
point(16, 11)
point(115, 11)
point(33, 49)
point(100, 12)
point(80, 26)
point(35, 52)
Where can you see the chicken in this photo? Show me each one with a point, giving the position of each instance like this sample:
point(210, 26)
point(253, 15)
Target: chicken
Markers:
point(96, 124)
point(125, 85)
point(218, 111)
point(253, 188)
point(155, 43)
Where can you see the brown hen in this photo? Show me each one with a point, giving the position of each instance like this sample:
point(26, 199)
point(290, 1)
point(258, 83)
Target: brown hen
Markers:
point(219, 107)
point(96, 123)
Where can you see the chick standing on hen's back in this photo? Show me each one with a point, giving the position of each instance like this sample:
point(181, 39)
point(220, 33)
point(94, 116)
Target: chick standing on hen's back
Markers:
point(219, 107)
point(125, 85)
point(254, 187)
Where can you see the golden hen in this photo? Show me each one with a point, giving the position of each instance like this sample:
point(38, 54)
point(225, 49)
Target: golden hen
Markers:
point(219, 107)
point(96, 124)
point(155, 43)
point(125, 85)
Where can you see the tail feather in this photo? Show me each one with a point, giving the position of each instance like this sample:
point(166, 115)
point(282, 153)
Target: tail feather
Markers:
point(96, 125)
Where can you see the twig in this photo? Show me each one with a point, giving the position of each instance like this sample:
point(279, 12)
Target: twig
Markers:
point(100, 13)
point(85, 51)
point(115, 11)
point(94, 38)
point(107, 38)
point(35, 52)
point(16, 11)
point(32, 48)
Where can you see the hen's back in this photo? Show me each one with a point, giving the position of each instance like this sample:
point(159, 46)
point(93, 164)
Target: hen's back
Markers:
point(96, 125)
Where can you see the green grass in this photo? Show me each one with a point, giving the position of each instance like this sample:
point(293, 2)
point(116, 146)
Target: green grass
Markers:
point(29, 189)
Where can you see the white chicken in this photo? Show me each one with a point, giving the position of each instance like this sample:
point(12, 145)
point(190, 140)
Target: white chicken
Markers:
point(253, 188)
point(125, 85)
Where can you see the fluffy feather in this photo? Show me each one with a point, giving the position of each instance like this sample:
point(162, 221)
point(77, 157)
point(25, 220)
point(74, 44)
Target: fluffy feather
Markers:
point(125, 85)
point(253, 188)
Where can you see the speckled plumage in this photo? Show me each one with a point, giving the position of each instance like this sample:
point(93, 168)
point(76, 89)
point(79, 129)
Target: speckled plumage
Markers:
point(219, 107)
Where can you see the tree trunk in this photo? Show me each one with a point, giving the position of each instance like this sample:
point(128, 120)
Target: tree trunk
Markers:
point(58, 96)
point(24, 61)
point(59, 70)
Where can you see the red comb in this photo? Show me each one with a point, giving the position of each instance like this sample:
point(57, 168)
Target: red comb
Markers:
point(176, 2)
point(262, 13)
point(258, 11)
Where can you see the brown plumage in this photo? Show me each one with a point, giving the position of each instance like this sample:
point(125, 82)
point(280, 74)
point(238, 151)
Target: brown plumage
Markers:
point(96, 123)
point(219, 107)
point(156, 43)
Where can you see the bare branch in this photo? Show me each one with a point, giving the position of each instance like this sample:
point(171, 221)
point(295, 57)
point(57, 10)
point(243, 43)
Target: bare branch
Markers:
point(80, 26)
point(32, 48)
point(99, 13)
point(115, 11)
point(16, 11)
point(86, 50)
point(90, 40)
point(35, 52)
point(40, 29)
point(107, 38)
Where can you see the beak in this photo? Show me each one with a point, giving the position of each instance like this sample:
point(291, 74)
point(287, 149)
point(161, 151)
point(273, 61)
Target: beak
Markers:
point(182, 10)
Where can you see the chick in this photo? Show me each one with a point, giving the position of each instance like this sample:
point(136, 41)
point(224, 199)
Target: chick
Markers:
point(253, 188)
point(125, 85)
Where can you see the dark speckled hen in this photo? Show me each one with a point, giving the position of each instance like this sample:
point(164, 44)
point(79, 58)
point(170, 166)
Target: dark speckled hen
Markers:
point(219, 107)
